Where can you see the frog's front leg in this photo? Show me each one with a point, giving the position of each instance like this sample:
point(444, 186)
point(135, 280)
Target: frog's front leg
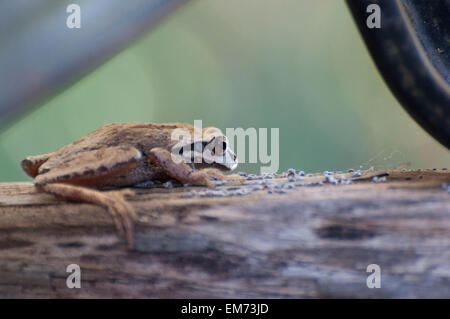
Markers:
point(184, 173)
point(179, 170)
point(212, 172)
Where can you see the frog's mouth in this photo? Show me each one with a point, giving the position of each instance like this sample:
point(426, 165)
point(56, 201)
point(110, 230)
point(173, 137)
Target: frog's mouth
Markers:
point(228, 162)
point(221, 167)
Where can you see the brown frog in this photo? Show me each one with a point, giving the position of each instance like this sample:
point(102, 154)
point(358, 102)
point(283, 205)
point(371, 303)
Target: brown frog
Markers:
point(129, 154)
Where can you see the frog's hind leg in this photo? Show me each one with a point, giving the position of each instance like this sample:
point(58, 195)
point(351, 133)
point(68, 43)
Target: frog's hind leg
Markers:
point(32, 163)
point(105, 167)
point(122, 212)
point(96, 168)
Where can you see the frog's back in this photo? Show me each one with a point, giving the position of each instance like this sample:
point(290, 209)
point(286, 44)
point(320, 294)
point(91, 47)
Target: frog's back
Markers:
point(142, 136)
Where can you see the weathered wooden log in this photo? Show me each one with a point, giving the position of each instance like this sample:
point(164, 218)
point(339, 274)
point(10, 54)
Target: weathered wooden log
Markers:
point(313, 241)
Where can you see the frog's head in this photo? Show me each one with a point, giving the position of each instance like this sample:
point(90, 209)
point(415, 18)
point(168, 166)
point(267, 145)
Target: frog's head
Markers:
point(210, 149)
point(218, 151)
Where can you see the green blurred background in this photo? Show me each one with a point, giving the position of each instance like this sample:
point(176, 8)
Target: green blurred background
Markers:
point(298, 65)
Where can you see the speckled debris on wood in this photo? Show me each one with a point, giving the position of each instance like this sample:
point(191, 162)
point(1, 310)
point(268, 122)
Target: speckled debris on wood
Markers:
point(277, 235)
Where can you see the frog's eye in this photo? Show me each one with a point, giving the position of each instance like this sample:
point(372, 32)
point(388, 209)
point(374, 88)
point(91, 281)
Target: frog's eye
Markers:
point(220, 147)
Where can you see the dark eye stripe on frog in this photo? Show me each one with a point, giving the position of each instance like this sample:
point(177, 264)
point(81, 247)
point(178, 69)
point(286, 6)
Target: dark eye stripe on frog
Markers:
point(193, 147)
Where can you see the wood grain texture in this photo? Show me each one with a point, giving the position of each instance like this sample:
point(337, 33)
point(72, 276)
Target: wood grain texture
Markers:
point(313, 241)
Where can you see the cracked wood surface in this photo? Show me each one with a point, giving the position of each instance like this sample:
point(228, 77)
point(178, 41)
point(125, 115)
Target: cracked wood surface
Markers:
point(313, 241)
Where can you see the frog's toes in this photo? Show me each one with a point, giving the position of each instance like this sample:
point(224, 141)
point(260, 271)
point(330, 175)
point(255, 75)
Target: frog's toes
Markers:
point(124, 218)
